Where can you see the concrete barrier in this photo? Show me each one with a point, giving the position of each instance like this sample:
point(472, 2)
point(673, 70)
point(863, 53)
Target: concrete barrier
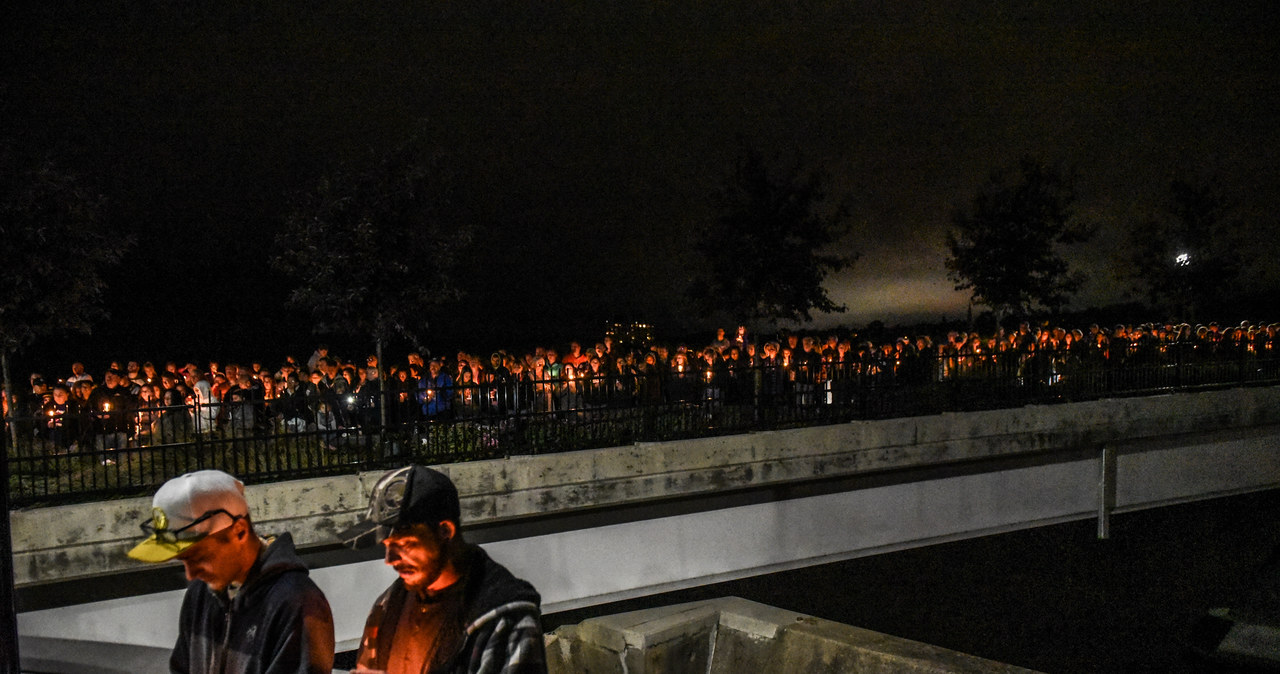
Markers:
point(731, 635)
point(66, 542)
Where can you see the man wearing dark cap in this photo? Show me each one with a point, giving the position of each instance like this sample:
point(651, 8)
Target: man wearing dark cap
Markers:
point(250, 605)
point(453, 609)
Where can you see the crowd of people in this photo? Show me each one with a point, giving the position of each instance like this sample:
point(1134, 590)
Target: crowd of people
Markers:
point(139, 403)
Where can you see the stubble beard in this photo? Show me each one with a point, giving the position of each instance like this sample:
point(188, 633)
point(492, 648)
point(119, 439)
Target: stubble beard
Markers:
point(420, 578)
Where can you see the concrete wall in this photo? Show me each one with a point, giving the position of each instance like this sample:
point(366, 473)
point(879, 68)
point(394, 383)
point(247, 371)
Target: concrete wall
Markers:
point(1192, 447)
point(65, 542)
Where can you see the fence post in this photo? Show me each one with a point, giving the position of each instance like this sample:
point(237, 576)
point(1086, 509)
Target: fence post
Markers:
point(1179, 350)
point(197, 413)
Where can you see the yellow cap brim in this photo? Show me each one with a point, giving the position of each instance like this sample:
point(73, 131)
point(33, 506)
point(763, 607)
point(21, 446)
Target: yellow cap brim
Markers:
point(153, 551)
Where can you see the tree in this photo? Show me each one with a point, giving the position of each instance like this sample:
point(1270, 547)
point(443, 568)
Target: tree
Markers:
point(766, 253)
point(372, 252)
point(1187, 257)
point(1005, 248)
point(54, 250)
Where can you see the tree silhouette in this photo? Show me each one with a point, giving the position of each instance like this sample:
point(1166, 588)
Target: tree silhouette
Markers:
point(372, 252)
point(54, 249)
point(1005, 247)
point(1187, 258)
point(767, 252)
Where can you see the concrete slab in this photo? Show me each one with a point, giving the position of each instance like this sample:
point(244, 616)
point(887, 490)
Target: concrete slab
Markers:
point(734, 635)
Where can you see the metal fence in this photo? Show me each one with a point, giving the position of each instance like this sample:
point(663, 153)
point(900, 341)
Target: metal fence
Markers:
point(81, 455)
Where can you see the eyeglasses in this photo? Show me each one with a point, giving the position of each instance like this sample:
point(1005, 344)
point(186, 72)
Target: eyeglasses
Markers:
point(158, 525)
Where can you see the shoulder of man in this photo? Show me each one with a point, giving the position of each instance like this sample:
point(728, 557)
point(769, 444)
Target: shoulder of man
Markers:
point(491, 586)
point(507, 639)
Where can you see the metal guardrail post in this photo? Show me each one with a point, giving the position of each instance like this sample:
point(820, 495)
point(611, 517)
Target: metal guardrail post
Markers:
point(1106, 491)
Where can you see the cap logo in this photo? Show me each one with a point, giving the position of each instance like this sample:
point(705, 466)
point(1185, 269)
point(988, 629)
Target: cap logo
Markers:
point(159, 520)
point(394, 495)
point(388, 496)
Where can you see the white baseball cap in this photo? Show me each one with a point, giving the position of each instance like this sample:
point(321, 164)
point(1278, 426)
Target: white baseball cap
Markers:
point(188, 508)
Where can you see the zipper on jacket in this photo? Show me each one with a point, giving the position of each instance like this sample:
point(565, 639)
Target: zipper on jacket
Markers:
point(218, 660)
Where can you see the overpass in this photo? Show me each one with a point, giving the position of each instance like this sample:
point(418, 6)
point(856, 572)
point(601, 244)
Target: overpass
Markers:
point(603, 525)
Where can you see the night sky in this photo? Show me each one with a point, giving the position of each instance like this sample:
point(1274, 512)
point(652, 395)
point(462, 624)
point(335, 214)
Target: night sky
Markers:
point(586, 139)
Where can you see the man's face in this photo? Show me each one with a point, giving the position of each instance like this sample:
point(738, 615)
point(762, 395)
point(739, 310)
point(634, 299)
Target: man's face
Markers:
point(213, 559)
point(418, 554)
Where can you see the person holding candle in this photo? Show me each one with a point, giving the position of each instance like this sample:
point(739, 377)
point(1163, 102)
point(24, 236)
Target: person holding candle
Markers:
point(435, 391)
point(113, 409)
point(61, 419)
point(452, 608)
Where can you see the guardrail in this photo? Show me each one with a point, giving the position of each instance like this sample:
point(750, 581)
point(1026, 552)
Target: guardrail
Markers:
point(82, 455)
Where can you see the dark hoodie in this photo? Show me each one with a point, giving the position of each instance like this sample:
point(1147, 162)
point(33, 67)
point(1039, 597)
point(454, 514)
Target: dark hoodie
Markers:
point(500, 616)
point(278, 621)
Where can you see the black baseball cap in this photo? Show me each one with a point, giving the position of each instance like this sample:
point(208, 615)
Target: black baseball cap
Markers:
point(410, 495)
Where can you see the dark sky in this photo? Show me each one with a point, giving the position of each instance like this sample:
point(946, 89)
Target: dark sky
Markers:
point(588, 137)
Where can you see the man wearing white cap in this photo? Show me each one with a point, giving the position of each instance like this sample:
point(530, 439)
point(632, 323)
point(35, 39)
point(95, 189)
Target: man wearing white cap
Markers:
point(250, 606)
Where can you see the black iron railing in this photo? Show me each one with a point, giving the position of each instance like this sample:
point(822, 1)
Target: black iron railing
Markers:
point(75, 454)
